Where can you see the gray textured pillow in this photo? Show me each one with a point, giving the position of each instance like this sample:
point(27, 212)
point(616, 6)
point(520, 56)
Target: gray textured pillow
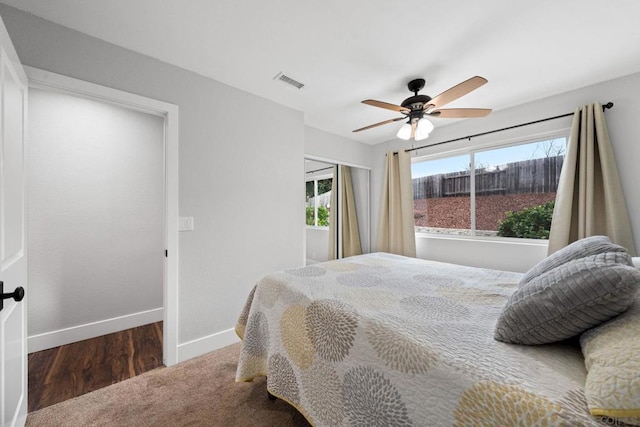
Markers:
point(569, 299)
point(579, 249)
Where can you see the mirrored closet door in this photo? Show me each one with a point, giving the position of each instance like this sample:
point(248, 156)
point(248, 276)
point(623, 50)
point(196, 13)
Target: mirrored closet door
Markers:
point(337, 211)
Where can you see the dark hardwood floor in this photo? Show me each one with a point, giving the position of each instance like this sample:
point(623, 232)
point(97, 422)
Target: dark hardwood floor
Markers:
point(71, 370)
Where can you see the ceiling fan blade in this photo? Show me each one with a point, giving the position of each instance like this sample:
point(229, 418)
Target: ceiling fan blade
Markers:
point(459, 113)
point(386, 105)
point(457, 91)
point(413, 129)
point(380, 124)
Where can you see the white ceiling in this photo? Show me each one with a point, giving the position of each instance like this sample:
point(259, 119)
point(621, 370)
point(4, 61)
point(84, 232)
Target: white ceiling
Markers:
point(345, 51)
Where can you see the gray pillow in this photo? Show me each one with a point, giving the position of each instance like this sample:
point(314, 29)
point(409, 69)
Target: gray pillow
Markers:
point(569, 299)
point(579, 249)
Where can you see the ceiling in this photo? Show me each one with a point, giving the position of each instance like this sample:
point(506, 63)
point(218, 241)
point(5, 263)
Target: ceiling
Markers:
point(345, 51)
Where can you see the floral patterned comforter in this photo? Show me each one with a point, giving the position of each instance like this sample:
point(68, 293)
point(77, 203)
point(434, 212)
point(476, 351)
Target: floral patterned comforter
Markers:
point(385, 340)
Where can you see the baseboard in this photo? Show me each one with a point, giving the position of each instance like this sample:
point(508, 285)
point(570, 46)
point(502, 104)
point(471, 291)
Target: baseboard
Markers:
point(90, 330)
point(206, 344)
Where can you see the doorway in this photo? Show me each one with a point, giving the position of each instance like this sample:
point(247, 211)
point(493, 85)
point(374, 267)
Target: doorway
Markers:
point(45, 80)
point(95, 224)
point(117, 296)
point(95, 218)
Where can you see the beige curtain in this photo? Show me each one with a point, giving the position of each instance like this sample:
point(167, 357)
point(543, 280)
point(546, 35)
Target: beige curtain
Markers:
point(395, 232)
point(350, 233)
point(347, 206)
point(590, 200)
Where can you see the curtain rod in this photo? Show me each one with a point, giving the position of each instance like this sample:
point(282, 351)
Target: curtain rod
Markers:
point(319, 170)
point(604, 107)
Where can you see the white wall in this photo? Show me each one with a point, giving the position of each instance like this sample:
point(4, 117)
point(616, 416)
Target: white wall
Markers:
point(336, 148)
point(223, 164)
point(500, 254)
point(362, 198)
point(624, 130)
point(317, 241)
point(95, 215)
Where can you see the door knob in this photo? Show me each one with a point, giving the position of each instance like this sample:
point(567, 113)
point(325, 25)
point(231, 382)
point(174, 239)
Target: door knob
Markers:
point(17, 294)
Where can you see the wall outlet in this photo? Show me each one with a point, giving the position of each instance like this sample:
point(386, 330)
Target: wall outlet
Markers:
point(185, 223)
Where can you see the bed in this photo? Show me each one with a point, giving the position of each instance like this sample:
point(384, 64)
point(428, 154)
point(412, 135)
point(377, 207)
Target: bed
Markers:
point(385, 340)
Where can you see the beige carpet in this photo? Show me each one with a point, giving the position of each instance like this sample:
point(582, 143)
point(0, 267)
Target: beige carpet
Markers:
point(198, 392)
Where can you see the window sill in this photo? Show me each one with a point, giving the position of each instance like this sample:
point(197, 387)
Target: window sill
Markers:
point(420, 234)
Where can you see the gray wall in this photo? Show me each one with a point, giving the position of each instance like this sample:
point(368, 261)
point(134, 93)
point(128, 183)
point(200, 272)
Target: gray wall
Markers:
point(333, 147)
point(624, 130)
point(228, 167)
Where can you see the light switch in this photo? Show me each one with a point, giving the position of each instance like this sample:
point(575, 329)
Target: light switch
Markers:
point(185, 223)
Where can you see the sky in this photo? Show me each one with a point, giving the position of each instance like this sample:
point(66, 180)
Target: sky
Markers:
point(490, 158)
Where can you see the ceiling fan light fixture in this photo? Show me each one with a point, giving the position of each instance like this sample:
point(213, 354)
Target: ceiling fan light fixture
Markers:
point(423, 129)
point(405, 131)
point(417, 107)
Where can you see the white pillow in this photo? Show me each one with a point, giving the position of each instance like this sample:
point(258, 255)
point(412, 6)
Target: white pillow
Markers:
point(636, 261)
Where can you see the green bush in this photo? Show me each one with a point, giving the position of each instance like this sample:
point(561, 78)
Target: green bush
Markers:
point(309, 215)
point(529, 223)
point(323, 216)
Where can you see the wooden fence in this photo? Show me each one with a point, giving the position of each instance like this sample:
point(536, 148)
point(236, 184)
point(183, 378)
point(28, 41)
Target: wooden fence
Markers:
point(527, 176)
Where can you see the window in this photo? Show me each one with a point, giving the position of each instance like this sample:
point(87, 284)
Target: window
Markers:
point(318, 202)
point(507, 191)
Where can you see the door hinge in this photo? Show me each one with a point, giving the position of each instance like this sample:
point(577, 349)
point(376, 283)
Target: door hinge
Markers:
point(166, 253)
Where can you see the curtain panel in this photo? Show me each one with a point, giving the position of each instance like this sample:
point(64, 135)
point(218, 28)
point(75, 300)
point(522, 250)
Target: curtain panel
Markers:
point(350, 233)
point(590, 200)
point(396, 232)
point(343, 201)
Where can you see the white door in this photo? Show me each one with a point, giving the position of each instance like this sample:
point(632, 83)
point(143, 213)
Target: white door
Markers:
point(13, 260)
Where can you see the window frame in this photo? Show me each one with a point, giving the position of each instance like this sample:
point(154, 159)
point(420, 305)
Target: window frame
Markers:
point(315, 180)
point(471, 151)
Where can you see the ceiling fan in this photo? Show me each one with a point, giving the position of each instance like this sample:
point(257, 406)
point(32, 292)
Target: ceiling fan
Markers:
point(417, 107)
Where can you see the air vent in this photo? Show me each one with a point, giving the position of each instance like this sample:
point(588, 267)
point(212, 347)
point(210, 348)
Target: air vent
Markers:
point(288, 80)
